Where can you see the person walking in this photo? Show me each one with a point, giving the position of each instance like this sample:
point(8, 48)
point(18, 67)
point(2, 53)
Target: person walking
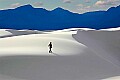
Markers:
point(50, 47)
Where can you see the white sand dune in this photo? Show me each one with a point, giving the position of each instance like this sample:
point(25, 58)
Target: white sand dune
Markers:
point(113, 78)
point(10, 32)
point(111, 29)
point(4, 77)
point(84, 67)
point(26, 57)
point(38, 44)
point(3, 32)
point(104, 43)
point(24, 32)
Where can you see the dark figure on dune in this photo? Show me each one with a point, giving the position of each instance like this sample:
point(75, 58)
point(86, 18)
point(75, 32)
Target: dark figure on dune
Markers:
point(50, 47)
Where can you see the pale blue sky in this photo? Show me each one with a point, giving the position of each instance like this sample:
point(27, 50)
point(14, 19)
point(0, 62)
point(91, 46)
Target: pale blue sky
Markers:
point(79, 6)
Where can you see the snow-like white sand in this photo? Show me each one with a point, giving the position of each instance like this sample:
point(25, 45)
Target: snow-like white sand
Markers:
point(4, 77)
point(104, 43)
point(37, 44)
point(111, 29)
point(4, 32)
point(26, 57)
point(113, 78)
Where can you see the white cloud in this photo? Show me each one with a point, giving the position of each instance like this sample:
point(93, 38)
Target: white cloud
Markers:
point(85, 9)
point(106, 2)
point(38, 4)
point(67, 1)
point(15, 5)
point(100, 5)
point(87, 1)
point(81, 8)
point(80, 5)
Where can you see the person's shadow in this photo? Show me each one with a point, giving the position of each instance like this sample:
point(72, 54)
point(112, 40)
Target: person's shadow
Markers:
point(55, 54)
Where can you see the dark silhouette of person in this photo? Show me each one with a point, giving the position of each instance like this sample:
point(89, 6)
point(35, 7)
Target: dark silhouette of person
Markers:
point(50, 47)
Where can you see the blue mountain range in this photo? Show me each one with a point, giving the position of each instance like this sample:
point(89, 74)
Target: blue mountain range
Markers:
point(28, 17)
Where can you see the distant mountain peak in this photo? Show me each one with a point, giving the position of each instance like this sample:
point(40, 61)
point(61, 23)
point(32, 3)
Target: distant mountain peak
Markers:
point(114, 8)
point(27, 6)
point(59, 10)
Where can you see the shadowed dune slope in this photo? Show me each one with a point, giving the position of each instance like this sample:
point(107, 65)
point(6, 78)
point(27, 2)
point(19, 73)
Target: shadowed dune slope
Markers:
point(105, 43)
